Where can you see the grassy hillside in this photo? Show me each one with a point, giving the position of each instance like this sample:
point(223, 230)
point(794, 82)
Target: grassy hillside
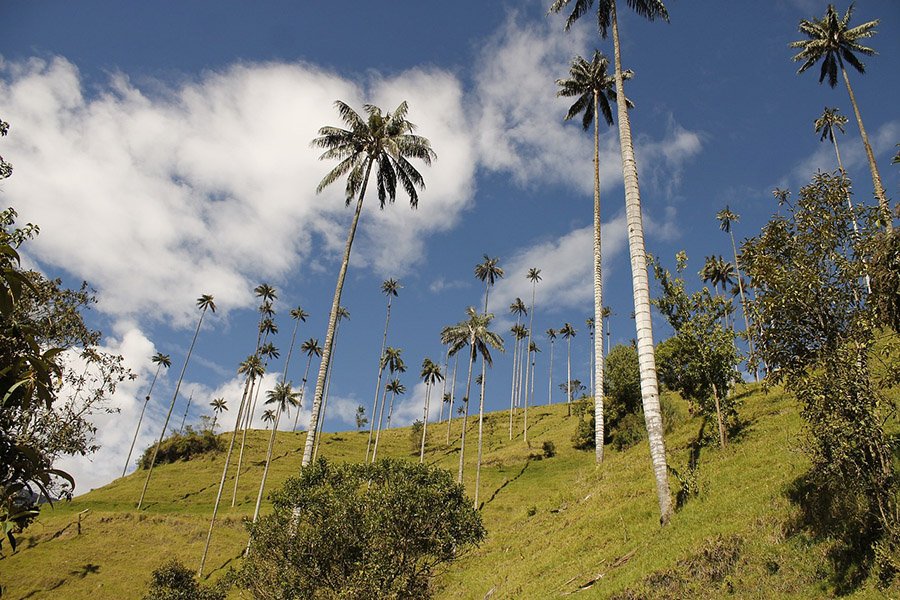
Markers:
point(556, 526)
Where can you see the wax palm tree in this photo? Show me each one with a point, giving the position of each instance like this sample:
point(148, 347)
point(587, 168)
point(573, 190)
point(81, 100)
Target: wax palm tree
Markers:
point(383, 139)
point(430, 374)
point(268, 416)
point(343, 313)
point(394, 363)
point(311, 348)
point(533, 275)
point(390, 288)
point(605, 313)
point(452, 393)
point(161, 360)
point(218, 405)
point(831, 40)
point(186, 409)
point(474, 334)
point(284, 398)
point(299, 316)
point(532, 352)
point(551, 336)
point(726, 217)
point(204, 303)
point(517, 308)
point(252, 368)
point(487, 272)
point(396, 389)
point(606, 20)
point(568, 332)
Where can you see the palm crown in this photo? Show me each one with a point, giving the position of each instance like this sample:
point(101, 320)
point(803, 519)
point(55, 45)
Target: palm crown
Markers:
point(831, 41)
point(830, 120)
point(649, 9)
point(385, 138)
point(587, 79)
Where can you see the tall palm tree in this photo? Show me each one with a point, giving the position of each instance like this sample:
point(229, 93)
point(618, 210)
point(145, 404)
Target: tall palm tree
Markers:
point(186, 409)
point(386, 140)
point(726, 217)
point(204, 303)
point(389, 288)
point(452, 393)
point(533, 275)
point(551, 335)
point(311, 348)
point(431, 373)
point(606, 20)
point(268, 416)
point(474, 334)
point(394, 363)
point(517, 308)
point(605, 313)
point(396, 389)
point(284, 398)
point(253, 369)
point(298, 315)
point(343, 313)
point(568, 332)
point(532, 352)
point(594, 88)
point(831, 40)
point(161, 360)
point(487, 272)
point(218, 405)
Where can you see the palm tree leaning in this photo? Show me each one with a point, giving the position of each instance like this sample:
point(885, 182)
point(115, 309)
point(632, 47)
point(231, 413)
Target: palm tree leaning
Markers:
point(431, 373)
point(218, 405)
point(311, 348)
point(831, 40)
point(606, 20)
point(474, 334)
point(204, 303)
point(726, 217)
point(389, 288)
point(386, 140)
point(253, 369)
point(161, 360)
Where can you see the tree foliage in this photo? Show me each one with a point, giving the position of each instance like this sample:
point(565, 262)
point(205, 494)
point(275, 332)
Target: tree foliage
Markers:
point(817, 329)
point(375, 530)
point(174, 581)
point(182, 446)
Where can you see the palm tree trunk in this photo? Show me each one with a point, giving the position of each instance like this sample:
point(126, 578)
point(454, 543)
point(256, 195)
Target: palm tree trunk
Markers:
point(640, 284)
point(569, 373)
point(462, 440)
point(380, 418)
point(321, 422)
point(444, 384)
point(171, 406)
point(480, 434)
point(876, 178)
point(425, 423)
point(302, 389)
point(141, 418)
point(512, 391)
point(597, 375)
point(332, 323)
point(186, 409)
point(254, 393)
point(550, 378)
point(380, 374)
point(212, 522)
point(452, 398)
point(737, 268)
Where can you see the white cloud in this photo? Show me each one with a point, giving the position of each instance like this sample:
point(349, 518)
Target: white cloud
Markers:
point(156, 198)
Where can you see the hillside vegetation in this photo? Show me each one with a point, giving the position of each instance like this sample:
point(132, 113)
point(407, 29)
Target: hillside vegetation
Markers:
point(557, 525)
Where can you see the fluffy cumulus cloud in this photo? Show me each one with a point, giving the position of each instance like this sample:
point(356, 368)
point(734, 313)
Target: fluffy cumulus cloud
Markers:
point(209, 184)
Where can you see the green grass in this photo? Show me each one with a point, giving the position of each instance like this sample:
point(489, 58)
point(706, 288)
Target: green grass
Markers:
point(556, 526)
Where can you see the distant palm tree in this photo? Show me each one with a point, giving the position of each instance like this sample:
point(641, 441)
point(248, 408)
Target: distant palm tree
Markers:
point(533, 275)
point(311, 348)
point(396, 389)
point(161, 360)
point(389, 288)
point(474, 334)
point(831, 40)
point(253, 369)
point(517, 308)
point(605, 313)
point(204, 303)
point(568, 332)
point(487, 272)
point(386, 141)
point(218, 405)
point(268, 416)
point(395, 364)
point(726, 217)
point(532, 351)
point(343, 313)
point(431, 373)
point(298, 315)
point(551, 335)
point(452, 393)
point(186, 409)
point(607, 19)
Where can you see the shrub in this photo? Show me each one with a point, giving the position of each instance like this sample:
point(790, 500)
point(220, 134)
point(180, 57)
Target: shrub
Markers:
point(359, 531)
point(549, 449)
point(182, 446)
point(174, 581)
point(628, 431)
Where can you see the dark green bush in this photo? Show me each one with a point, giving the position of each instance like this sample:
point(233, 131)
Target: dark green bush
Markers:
point(182, 446)
point(549, 449)
point(630, 430)
point(174, 581)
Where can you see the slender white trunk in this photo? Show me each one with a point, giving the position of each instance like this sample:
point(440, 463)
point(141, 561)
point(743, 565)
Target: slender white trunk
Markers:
point(480, 433)
point(380, 418)
point(452, 398)
point(141, 418)
point(321, 422)
point(332, 323)
point(641, 287)
point(512, 390)
point(425, 422)
point(302, 390)
point(597, 337)
point(387, 320)
point(550, 379)
point(462, 440)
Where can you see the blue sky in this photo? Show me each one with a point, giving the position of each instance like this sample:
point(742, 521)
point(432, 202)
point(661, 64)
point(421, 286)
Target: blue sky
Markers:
point(163, 148)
